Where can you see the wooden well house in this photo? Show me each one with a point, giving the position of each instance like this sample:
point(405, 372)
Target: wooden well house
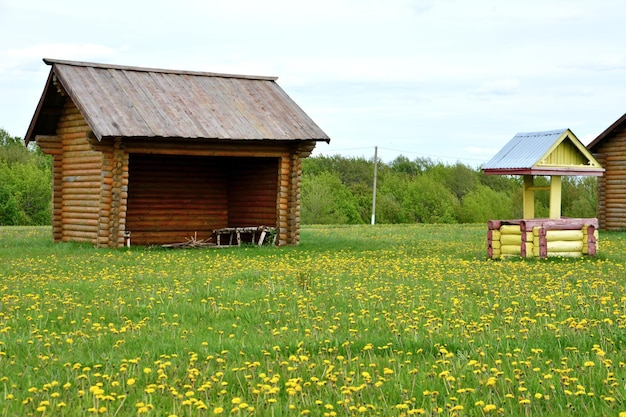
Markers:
point(553, 154)
point(170, 155)
point(609, 148)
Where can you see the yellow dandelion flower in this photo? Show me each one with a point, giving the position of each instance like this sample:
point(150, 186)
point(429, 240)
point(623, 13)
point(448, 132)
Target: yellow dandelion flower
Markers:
point(489, 407)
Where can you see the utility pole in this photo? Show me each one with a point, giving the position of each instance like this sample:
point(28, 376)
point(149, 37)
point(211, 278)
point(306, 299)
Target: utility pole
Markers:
point(375, 175)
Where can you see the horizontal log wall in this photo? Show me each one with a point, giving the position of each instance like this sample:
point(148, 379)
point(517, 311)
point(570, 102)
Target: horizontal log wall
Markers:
point(284, 199)
point(288, 156)
point(612, 186)
point(252, 187)
point(542, 237)
point(173, 198)
point(77, 180)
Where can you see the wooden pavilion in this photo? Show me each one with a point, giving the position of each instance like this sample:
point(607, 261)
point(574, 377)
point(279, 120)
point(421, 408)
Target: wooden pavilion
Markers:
point(554, 154)
point(169, 155)
point(609, 148)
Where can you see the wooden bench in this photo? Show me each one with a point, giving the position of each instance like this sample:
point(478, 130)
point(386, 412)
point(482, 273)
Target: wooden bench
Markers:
point(232, 235)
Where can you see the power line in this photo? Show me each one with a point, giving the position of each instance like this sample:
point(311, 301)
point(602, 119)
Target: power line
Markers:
point(368, 148)
point(433, 156)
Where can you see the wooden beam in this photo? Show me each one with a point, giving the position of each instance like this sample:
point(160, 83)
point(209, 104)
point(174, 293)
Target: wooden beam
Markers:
point(555, 197)
point(529, 197)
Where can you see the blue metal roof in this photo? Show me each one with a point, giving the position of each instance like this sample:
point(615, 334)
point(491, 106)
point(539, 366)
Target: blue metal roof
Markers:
point(524, 150)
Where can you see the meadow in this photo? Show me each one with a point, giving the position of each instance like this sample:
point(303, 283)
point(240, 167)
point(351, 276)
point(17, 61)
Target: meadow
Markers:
point(357, 320)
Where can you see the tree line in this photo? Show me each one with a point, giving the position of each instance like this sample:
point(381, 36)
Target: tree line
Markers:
point(335, 190)
point(25, 183)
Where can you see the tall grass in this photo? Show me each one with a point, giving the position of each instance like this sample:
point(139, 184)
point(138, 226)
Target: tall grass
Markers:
point(357, 320)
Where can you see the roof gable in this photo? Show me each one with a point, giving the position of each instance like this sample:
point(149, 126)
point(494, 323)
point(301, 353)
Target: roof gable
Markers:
point(554, 152)
point(121, 101)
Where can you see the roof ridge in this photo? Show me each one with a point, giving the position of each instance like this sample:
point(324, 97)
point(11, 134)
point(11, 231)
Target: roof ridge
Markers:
point(542, 132)
point(51, 61)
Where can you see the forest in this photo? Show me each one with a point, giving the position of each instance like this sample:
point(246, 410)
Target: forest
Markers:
point(335, 190)
point(25, 183)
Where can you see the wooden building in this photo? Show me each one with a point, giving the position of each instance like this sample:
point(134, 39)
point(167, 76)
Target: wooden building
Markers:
point(167, 155)
point(609, 148)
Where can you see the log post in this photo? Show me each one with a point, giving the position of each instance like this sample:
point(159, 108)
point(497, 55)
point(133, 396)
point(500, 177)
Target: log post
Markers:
point(555, 197)
point(543, 243)
point(529, 197)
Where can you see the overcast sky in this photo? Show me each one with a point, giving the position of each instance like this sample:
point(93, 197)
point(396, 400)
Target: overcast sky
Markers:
point(451, 80)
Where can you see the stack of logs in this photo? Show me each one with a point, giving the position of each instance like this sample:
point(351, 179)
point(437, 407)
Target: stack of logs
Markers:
point(542, 238)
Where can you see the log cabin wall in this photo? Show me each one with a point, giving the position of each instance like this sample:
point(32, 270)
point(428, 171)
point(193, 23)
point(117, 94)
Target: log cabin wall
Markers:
point(172, 198)
point(611, 153)
point(252, 198)
point(77, 180)
point(252, 187)
point(113, 191)
point(51, 145)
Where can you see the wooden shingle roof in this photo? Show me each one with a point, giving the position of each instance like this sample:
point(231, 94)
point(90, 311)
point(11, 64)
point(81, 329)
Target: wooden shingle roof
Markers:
point(133, 102)
point(553, 152)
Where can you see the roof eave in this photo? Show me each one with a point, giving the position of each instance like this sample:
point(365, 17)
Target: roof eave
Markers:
point(109, 137)
point(547, 171)
point(31, 128)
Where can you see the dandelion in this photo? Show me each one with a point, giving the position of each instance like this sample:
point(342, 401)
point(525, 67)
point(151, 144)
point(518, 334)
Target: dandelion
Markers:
point(489, 407)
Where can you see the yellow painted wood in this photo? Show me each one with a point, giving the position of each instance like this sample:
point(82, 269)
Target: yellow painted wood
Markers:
point(529, 197)
point(511, 240)
point(565, 154)
point(510, 229)
point(554, 235)
point(568, 151)
point(565, 254)
point(555, 197)
point(565, 246)
point(510, 250)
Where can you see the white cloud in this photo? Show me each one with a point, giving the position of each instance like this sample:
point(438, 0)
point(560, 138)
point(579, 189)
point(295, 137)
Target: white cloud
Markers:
point(500, 87)
point(21, 61)
point(429, 77)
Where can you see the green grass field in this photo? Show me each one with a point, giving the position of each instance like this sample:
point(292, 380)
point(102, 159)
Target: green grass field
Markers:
point(357, 320)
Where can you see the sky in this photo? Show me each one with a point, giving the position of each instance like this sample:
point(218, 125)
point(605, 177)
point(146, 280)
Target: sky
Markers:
point(449, 80)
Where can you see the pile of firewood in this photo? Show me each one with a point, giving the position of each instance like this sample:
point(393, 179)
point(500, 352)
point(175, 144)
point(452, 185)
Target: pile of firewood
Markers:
point(192, 242)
